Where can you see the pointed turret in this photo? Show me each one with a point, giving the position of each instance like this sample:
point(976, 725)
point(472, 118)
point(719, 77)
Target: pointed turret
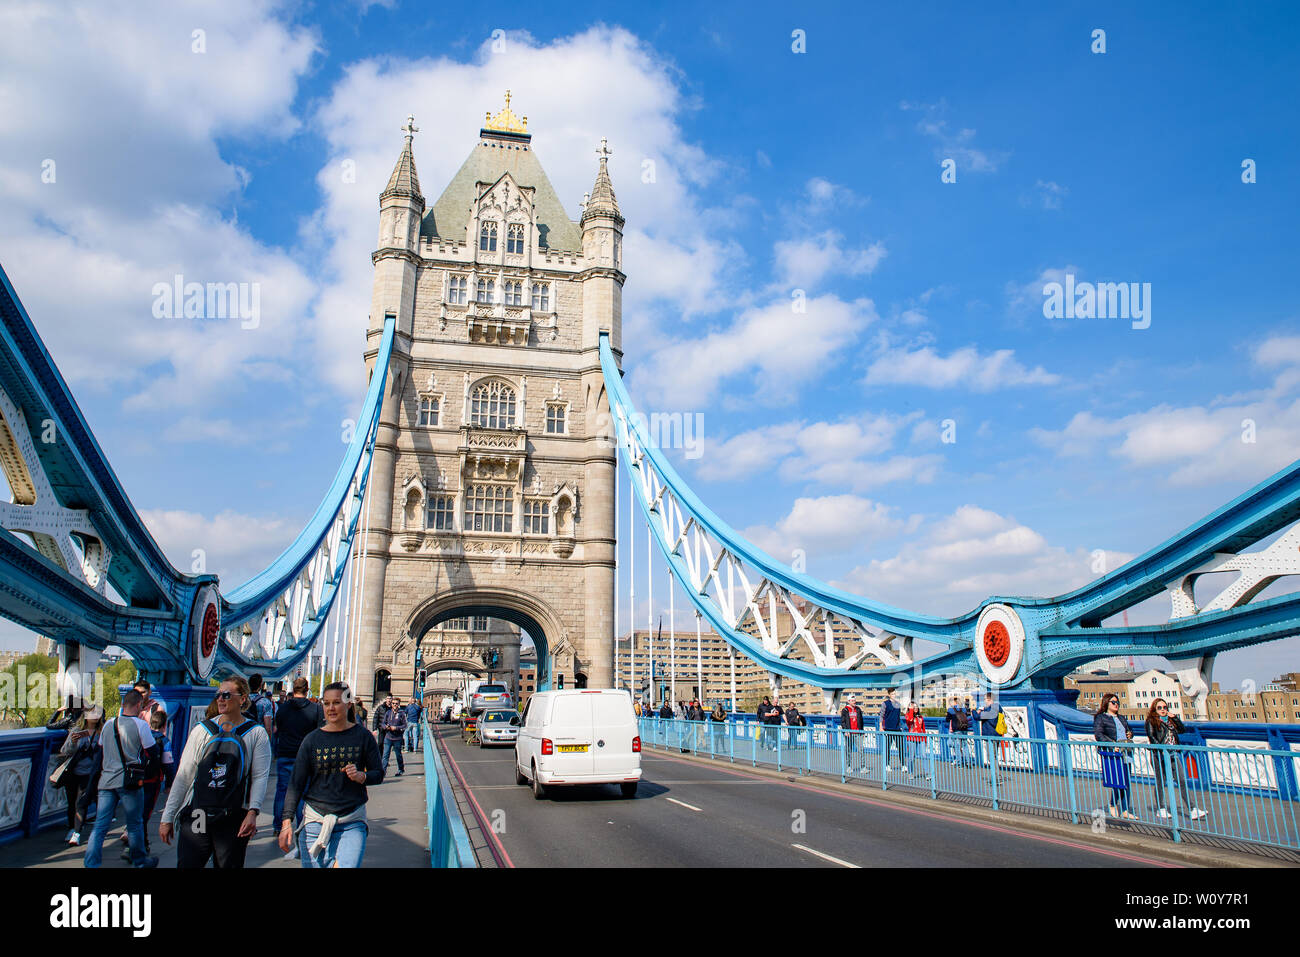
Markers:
point(404, 182)
point(602, 201)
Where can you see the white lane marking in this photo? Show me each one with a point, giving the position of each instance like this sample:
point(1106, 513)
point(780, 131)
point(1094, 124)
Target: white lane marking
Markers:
point(824, 857)
point(684, 804)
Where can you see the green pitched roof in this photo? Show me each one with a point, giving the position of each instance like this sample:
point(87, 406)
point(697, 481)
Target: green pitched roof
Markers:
point(493, 155)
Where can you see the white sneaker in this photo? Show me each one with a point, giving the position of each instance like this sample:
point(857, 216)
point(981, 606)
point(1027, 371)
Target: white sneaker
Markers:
point(1197, 814)
point(1163, 812)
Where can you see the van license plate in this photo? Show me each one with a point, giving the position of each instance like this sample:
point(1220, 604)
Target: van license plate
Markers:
point(570, 748)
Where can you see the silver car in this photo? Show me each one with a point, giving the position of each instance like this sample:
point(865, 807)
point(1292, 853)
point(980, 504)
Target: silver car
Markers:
point(489, 696)
point(497, 727)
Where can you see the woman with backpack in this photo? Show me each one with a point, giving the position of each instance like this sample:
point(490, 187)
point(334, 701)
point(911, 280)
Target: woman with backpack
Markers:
point(334, 766)
point(220, 784)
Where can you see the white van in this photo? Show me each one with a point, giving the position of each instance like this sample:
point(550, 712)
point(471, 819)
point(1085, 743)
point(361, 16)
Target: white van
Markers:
point(578, 736)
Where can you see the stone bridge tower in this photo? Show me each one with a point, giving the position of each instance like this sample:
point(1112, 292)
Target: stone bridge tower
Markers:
point(493, 482)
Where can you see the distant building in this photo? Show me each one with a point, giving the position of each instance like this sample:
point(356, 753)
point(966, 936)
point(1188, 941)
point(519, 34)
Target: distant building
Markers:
point(1277, 703)
point(527, 678)
point(1136, 692)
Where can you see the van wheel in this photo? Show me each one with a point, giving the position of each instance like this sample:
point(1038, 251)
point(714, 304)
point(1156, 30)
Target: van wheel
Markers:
point(629, 789)
point(519, 776)
point(539, 789)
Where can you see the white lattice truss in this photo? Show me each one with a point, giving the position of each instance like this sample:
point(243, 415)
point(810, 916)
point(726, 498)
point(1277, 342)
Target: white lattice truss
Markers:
point(65, 536)
point(282, 624)
point(1255, 572)
point(725, 580)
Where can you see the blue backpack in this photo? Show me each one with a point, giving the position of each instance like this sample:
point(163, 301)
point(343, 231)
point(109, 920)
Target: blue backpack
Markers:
point(222, 781)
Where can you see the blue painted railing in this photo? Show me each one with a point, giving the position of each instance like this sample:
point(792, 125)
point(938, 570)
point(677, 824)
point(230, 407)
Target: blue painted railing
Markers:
point(1248, 794)
point(27, 758)
point(449, 844)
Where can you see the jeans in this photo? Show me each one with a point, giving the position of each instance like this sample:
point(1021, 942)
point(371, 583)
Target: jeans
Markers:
point(394, 747)
point(915, 754)
point(893, 743)
point(346, 848)
point(413, 735)
point(283, 772)
point(852, 747)
point(133, 806)
point(1176, 766)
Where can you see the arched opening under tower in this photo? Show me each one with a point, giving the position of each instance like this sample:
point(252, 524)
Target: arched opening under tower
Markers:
point(537, 623)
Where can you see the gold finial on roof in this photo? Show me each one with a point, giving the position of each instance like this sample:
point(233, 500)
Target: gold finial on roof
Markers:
point(506, 121)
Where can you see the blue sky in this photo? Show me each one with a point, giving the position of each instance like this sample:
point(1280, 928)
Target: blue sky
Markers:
point(774, 171)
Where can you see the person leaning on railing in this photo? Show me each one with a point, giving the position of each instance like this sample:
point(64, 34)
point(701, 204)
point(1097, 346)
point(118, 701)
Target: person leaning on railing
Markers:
point(1165, 728)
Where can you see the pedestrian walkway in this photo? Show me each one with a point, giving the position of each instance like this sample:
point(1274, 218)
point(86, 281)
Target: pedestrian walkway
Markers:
point(395, 812)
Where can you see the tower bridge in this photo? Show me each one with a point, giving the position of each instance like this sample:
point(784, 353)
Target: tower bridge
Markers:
point(483, 483)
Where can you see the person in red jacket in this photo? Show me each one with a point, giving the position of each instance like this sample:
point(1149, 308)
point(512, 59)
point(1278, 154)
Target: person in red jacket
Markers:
point(915, 722)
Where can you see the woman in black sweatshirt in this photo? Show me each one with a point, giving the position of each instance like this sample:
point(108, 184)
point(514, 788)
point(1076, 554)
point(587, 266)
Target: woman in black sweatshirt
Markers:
point(333, 767)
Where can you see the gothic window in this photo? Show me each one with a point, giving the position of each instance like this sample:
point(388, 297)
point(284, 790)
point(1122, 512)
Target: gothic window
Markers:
point(515, 238)
point(492, 406)
point(487, 238)
point(541, 297)
point(460, 624)
point(556, 414)
point(537, 517)
point(487, 290)
point(488, 508)
point(442, 511)
point(457, 290)
point(480, 622)
point(430, 407)
point(514, 291)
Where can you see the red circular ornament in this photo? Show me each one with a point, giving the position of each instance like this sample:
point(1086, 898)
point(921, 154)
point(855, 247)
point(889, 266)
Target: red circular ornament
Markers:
point(997, 644)
point(209, 630)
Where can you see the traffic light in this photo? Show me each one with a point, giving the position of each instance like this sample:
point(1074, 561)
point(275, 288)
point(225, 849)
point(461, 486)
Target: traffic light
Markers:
point(423, 675)
point(559, 682)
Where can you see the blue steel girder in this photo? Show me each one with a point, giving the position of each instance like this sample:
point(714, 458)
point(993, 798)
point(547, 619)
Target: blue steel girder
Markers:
point(76, 466)
point(1049, 635)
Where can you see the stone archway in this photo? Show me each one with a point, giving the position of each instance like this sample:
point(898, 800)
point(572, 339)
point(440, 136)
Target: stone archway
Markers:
point(555, 653)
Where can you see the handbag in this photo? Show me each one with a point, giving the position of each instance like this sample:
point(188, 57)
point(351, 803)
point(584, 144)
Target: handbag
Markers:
point(66, 763)
point(1193, 769)
point(1114, 770)
point(133, 773)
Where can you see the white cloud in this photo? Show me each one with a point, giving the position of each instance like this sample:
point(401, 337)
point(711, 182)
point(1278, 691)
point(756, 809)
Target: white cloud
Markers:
point(139, 185)
point(1048, 194)
point(963, 367)
point(828, 453)
point(1195, 445)
point(772, 346)
point(1028, 296)
point(805, 262)
point(827, 525)
point(233, 546)
point(963, 558)
point(956, 144)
